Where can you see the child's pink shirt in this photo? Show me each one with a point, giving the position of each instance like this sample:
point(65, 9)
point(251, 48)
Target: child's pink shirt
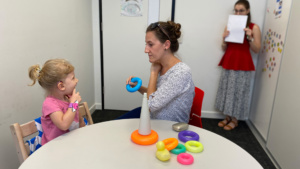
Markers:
point(50, 131)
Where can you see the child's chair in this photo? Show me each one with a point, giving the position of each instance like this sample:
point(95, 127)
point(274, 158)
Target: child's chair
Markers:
point(195, 116)
point(85, 113)
point(19, 132)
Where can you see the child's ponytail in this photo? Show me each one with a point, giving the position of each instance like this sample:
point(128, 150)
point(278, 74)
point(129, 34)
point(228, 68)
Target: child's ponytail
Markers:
point(34, 73)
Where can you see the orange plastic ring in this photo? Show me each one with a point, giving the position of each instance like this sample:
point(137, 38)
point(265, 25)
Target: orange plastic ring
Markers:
point(170, 143)
point(144, 139)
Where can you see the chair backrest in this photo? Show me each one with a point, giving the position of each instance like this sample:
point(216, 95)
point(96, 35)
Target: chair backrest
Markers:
point(195, 116)
point(19, 132)
point(85, 112)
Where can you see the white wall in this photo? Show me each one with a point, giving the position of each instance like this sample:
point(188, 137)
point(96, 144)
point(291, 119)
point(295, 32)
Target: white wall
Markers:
point(200, 47)
point(31, 32)
point(34, 31)
point(202, 28)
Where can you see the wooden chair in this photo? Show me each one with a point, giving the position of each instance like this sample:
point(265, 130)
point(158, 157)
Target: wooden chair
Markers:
point(195, 116)
point(85, 112)
point(19, 132)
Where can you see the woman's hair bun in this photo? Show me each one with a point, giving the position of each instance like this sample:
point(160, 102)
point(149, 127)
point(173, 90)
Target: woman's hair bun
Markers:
point(176, 28)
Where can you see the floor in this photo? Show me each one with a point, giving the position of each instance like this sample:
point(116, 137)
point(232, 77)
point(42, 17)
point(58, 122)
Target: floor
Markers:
point(241, 135)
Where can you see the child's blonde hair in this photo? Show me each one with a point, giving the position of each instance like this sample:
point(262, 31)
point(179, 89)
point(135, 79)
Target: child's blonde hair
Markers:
point(53, 71)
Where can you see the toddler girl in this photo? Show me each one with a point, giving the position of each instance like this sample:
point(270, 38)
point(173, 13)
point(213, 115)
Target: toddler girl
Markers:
point(59, 112)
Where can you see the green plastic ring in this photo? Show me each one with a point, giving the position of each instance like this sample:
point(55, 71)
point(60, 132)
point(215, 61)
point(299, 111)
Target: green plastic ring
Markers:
point(194, 146)
point(180, 148)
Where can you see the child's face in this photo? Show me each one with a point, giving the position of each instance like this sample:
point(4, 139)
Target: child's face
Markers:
point(70, 83)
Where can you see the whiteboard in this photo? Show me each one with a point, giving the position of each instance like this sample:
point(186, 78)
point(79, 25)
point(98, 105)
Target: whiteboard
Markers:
point(283, 138)
point(268, 67)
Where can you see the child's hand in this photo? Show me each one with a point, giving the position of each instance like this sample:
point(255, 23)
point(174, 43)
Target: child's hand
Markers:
point(75, 96)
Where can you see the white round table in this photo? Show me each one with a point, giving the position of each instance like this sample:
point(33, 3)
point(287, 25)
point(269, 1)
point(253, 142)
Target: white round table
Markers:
point(108, 145)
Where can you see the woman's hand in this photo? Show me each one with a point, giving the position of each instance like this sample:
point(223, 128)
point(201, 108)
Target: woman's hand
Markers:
point(225, 34)
point(128, 81)
point(254, 37)
point(142, 89)
point(155, 68)
point(249, 33)
point(75, 96)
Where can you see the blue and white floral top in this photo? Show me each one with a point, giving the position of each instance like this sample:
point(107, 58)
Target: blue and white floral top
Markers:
point(174, 96)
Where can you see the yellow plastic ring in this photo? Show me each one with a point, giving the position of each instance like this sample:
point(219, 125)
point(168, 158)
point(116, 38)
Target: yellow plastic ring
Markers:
point(194, 146)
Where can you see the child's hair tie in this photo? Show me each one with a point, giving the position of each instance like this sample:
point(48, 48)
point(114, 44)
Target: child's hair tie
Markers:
point(38, 70)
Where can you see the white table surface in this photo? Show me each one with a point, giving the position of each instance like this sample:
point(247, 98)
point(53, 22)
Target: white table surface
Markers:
point(108, 145)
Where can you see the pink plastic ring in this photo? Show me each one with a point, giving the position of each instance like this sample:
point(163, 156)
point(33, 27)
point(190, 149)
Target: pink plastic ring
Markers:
point(185, 159)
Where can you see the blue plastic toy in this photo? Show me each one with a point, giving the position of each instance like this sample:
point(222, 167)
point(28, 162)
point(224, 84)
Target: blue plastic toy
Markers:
point(135, 88)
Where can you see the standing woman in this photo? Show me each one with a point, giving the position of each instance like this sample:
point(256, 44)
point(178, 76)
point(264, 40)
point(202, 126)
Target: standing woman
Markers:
point(234, 88)
point(171, 89)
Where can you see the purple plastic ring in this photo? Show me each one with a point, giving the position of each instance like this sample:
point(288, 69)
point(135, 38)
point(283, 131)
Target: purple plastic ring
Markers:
point(187, 135)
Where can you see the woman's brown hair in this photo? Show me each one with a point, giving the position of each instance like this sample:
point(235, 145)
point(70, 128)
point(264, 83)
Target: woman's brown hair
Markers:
point(167, 31)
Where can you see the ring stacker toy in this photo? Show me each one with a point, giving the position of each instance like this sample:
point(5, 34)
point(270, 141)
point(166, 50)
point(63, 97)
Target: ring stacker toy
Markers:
point(162, 153)
point(194, 146)
point(187, 135)
point(180, 148)
point(185, 159)
point(144, 135)
point(180, 126)
point(170, 143)
point(136, 87)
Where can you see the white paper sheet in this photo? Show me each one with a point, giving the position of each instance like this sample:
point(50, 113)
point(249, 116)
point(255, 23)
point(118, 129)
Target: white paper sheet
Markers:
point(235, 26)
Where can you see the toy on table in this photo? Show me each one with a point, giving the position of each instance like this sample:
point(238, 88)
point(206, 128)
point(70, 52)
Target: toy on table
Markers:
point(180, 148)
point(162, 153)
point(144, 135)
point(180, 126)
point(187, 135)
point(170, 143)
point(136, 87)
point(194, 146)
point(185, 159)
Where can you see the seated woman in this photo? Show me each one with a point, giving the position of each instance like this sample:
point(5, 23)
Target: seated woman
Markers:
point(171, 89)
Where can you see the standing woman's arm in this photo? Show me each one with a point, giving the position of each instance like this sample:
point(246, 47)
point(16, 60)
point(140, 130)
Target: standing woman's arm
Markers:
point(254, 38)
point(225, 34)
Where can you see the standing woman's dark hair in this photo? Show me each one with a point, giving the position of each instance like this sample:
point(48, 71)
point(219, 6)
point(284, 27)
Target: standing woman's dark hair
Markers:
point(246, 4)
point(167, 31)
